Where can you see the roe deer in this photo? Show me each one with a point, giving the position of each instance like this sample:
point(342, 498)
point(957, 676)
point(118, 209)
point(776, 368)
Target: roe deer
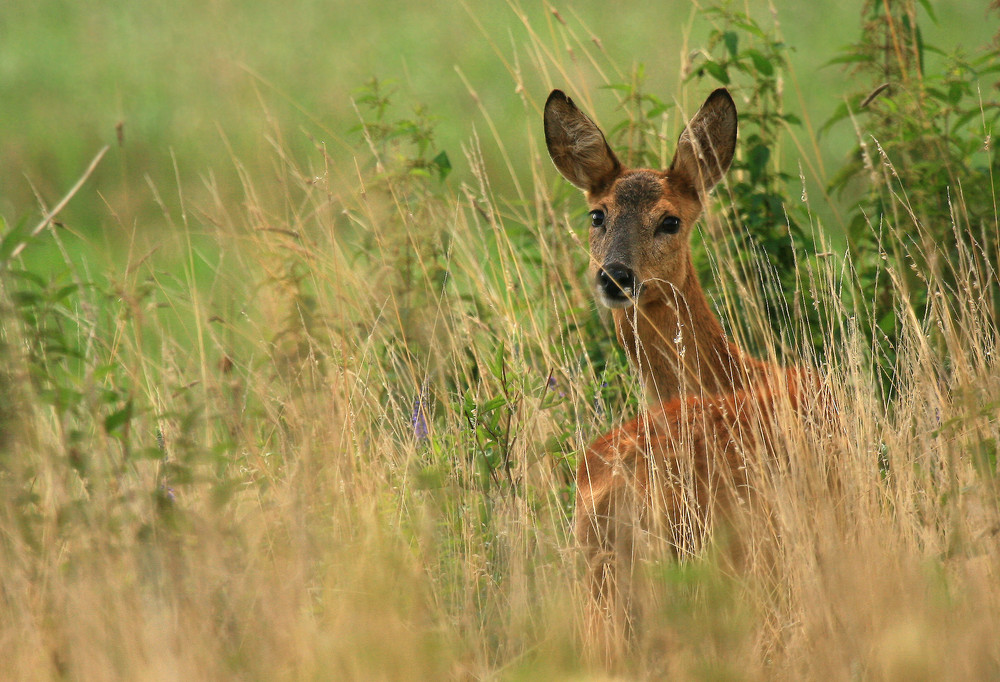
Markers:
point(689, 460)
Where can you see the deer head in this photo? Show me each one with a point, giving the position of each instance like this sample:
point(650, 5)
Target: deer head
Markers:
point(641, 219)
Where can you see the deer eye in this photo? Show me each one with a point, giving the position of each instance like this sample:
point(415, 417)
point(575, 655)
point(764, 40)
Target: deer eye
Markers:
point(597, 218)
point(670, 224)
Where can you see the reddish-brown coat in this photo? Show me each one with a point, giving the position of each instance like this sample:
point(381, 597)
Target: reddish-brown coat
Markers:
point(698, 451)
point(687, 461)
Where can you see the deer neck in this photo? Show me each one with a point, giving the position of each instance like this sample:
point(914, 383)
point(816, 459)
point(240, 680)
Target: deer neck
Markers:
point(679, 347)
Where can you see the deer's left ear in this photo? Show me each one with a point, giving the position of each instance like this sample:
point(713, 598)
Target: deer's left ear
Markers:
point(577, 146)
point(706, 147)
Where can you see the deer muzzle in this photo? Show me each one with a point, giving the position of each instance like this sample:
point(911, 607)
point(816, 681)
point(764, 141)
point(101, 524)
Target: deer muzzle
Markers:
point(617, 285)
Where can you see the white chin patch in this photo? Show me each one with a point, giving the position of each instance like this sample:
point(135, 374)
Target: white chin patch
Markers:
point(614, 302)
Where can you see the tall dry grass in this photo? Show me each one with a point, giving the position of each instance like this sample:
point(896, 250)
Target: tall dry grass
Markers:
point(346, 452)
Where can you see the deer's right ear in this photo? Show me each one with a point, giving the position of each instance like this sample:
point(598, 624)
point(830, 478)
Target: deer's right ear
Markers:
point(577, 146)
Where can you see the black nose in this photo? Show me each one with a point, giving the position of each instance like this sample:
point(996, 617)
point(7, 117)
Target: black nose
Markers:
point(616, 281)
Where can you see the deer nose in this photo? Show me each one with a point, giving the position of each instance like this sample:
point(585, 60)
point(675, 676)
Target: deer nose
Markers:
point(616, 282)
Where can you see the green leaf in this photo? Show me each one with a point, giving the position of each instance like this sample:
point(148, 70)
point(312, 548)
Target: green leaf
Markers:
point(955, 92)
point(930, 10)
point(63, 292)
point(496, 365)
point(761, 63)
point(116, 421)
point(26, 298)
point(491, 405)
point(920, 49)
point(32, 277)
point(717, 71)
point(757, 159)
point(443, 165)
point(961, 121)
point(839, 114)
point(10, 240)
point(657, 110)
point(937, 94)
point(752, 28)
point(732, 40)
point(887, 323)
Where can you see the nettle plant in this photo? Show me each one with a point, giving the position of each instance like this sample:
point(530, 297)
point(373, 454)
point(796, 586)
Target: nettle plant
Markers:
point(767, 218)
point(925, 155)
point(403, 147)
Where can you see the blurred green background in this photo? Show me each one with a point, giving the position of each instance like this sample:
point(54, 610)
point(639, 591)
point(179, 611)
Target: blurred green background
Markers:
point(197, 88)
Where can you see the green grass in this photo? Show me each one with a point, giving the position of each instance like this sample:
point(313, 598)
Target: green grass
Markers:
point(201, 83)
point(219, 367)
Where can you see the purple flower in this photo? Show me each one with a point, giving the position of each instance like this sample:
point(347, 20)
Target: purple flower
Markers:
point(551, 383)
point(419, 418)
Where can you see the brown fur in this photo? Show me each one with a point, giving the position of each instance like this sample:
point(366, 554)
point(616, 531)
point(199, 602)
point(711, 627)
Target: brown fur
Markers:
point(674, 471)
point(687, 462)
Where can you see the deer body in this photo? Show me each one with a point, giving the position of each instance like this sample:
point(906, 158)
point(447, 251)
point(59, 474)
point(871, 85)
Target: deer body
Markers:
point(675, 471)
point(685, 462)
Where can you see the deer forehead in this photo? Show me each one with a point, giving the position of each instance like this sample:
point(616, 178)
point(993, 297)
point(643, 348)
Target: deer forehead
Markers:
point(646, 195)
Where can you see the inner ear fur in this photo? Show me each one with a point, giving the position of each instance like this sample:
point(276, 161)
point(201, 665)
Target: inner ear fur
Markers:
point(577, 146)
point(706, 147)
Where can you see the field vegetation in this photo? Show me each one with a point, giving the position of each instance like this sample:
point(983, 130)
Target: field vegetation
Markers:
point(296, 381)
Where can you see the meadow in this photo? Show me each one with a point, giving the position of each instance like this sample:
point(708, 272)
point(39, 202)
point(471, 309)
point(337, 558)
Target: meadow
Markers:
point(296, 382)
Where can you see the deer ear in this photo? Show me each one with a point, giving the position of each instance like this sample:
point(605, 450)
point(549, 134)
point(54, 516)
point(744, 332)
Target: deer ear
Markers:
point(706, 147)
point(577, 146)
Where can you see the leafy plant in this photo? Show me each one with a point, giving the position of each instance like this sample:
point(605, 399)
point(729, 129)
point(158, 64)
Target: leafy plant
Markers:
point(403, 146)
point(925, 155)
point(766, 216)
